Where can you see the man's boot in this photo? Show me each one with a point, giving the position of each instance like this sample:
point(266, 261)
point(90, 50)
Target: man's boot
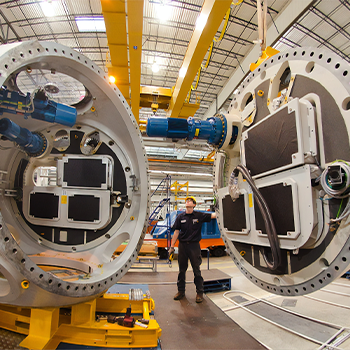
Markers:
point(199, 297)
point(179, 295)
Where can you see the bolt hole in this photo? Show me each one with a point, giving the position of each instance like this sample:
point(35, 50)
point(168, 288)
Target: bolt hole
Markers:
point(329, 60)
point(337, 66)
point(346, 105)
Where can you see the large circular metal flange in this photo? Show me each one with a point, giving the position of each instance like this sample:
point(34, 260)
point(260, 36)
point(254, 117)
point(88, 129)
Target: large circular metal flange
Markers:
point(322, 79)
point(24, 244)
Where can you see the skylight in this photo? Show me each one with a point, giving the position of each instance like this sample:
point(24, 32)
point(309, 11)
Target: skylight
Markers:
point(90, 24)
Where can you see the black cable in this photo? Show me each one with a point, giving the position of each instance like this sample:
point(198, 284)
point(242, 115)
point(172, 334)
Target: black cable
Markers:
point(267, 217)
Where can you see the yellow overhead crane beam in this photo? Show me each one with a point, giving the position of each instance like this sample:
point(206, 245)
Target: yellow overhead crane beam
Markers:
point(213, 11)
point(114, 14)
point(135, 26)
point(124, 22)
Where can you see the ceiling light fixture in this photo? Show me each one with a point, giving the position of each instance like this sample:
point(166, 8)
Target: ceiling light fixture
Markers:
point(155, 67)
point(90, 24)
point(48, 8)
point(164, 11)
point(111, 79)
point(179, 173)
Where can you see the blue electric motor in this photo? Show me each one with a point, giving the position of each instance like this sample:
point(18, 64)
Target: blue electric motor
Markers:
point(214, 129)
point(32, 142)
point(40, 108)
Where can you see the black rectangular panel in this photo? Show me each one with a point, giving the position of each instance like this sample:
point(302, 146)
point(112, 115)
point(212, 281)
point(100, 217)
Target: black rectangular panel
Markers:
point(44, 205)
point(271, 144)
point(280, 202)
point(84, 173)
point(84, 208)
point(234, 213)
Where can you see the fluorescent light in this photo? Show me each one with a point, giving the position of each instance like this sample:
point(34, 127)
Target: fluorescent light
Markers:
point(163, 12)
point(48, 8)
point(90, 24)
point(182, 72)
point(155, 67)
point(201, 21)
point(178, 173)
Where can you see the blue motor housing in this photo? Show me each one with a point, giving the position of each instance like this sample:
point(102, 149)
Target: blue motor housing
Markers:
point(212, 129)
point(40, 108)
point(173, 128)
point(53, 112)
point(33, 143)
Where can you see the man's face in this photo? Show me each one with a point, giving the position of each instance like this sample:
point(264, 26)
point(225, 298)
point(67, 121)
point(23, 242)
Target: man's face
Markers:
point(190, 204)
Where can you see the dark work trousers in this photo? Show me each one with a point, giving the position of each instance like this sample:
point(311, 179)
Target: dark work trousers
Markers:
point(192, 251)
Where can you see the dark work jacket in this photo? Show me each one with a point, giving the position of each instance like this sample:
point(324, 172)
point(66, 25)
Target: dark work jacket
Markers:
point(190, 225)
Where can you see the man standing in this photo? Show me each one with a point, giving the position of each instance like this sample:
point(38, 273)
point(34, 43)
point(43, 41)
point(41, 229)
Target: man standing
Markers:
point(188, 226)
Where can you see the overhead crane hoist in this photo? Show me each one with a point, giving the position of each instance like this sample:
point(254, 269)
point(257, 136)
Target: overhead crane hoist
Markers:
point(282, 169)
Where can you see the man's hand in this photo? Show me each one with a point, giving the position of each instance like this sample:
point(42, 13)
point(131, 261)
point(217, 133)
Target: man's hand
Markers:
point(171, 250)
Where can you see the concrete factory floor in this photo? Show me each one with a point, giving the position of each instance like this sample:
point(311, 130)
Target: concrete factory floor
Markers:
point(245, 317)
point(316, 321)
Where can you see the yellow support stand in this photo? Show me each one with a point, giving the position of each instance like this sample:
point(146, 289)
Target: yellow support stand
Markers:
point(177, 187)
point(48, 327)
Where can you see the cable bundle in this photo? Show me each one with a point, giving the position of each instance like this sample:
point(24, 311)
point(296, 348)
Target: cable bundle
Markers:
point(266, 214)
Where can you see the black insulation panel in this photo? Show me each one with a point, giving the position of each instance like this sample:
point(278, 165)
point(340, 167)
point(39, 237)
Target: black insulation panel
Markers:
point(335, 135)
point(234, 213)
point(84, 208)
point(271, 144)
point(280, 202)
point(44, 205)
point(76, 236)
point(84, 173)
